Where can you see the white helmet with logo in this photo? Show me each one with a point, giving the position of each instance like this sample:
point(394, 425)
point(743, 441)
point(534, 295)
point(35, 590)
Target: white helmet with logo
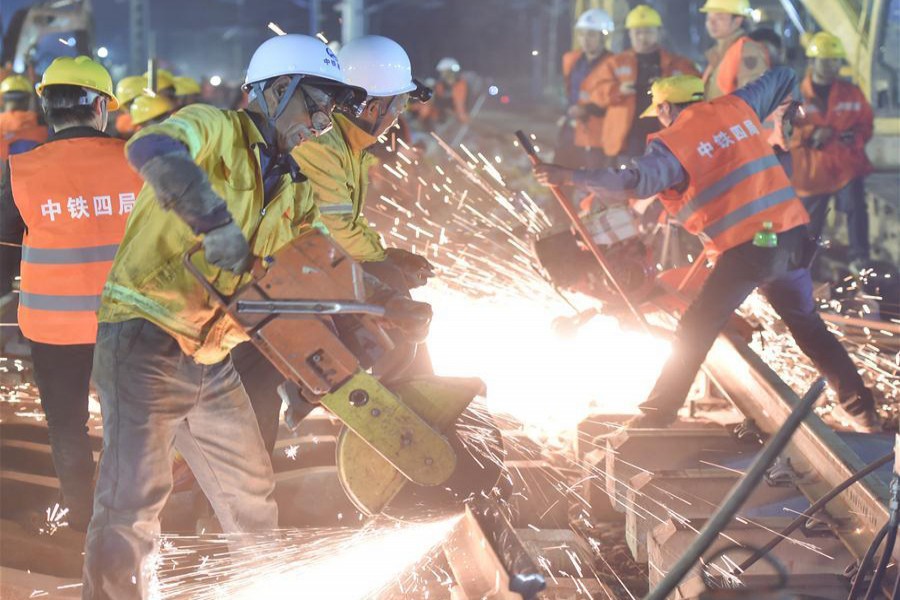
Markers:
point(595, 19)
point(378, 64)
point(293, 54)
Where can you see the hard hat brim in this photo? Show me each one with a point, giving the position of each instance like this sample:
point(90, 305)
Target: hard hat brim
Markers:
point(650, 112)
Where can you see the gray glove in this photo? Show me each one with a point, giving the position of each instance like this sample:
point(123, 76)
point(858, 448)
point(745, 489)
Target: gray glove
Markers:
point(183, 187)
point(227, 248)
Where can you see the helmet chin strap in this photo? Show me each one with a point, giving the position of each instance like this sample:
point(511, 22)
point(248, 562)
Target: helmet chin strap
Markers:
point(256, 93)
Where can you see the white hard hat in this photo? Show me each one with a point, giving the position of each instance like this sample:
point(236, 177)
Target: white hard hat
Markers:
point(448, 64)
point(378, 64)
point(293, 54)
point(595, 19)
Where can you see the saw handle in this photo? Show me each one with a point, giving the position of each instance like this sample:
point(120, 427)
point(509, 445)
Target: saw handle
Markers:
point(525, 141)
point(215, 294)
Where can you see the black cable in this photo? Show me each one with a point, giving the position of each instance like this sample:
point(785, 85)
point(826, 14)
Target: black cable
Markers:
point(739, 494)
point(866, 561)
point(883, 563)
point(813, 509)
point(887, 534)
point(896, 593)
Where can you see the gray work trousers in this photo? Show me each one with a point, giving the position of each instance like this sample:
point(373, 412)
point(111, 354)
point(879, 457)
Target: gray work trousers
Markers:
point(155, 398)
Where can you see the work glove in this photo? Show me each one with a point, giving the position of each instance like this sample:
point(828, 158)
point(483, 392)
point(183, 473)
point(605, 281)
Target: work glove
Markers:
point(227, 248)
point(416, 269)
point(409, 316)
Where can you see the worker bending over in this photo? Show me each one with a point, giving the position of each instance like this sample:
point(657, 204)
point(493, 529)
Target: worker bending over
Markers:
point(337, 165)
point(829, 146)
point(713, 170)
point(72, 223)
point(224, 179)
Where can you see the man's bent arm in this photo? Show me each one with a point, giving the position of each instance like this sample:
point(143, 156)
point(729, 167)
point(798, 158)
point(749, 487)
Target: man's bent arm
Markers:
point(650, 174)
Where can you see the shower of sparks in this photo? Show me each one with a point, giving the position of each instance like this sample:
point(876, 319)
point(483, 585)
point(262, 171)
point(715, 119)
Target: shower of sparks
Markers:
point(310, 563)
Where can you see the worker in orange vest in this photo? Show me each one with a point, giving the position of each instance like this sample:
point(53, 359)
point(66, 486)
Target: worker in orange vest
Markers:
point(70, 197)
point(735, 60)
point(580, 142)
point(450, 96)
point(625, 80)
point(829, 148)
point(714, 170)
point(19, 126)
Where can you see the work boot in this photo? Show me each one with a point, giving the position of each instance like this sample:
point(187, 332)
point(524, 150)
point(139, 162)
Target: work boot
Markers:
point(650, 420)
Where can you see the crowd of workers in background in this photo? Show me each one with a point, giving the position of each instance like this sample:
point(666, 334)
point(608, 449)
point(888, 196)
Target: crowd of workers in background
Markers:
point(824, 148)
point(104, 238)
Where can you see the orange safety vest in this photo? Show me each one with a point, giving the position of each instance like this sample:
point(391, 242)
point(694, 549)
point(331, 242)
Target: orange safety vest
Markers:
point(588, 131)
point(620, 109)
point(838, 162)
point(735, 182)
point(74, 196)
point(17, 125)
point(728, 69)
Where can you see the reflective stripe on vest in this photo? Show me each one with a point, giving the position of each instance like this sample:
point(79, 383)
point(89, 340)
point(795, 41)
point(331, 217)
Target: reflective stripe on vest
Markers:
point(74, 196)
point(60, 303)
point(723, 185)
point(68, 256)
point(735, 182)
point(748, 210)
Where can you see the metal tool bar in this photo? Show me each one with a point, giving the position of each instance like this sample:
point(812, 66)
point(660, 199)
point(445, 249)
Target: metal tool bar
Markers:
point(582, 231)
point(307, 307)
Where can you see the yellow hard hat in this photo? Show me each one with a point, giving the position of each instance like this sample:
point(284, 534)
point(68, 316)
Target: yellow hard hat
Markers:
point(164, 79)
point(145, 108)
point(186, 86)
point(130, 88)
point(16, 83)
point(825, 45)
point(732, 7)
point(642, 16)
point(677, 90)
point(81, 71)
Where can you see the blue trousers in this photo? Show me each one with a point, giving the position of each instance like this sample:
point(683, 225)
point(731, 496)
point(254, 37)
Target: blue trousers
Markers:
point(850, 200)
point(788, 287)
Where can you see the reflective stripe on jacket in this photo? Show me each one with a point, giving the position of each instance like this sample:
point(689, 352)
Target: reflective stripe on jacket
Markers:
point(589, 130)
point(742, 61)
point(620, 109)
point(148, 279)
point(74, 196)
point(337, 165)
point(843, 158)
point(735, 182)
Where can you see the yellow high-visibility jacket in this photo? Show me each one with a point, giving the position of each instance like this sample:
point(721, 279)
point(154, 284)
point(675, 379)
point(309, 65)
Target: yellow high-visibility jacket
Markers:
point(337, 165)
point(148, 279)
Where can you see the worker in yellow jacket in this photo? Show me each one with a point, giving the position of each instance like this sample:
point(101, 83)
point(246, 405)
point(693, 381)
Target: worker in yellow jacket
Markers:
point(337, 163)
point(226, 180)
